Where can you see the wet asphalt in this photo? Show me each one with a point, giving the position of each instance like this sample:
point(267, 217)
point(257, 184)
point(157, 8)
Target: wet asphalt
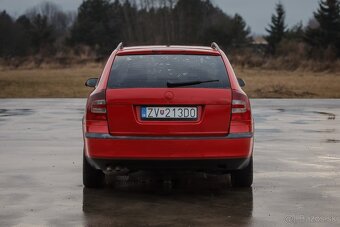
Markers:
point(296, 178)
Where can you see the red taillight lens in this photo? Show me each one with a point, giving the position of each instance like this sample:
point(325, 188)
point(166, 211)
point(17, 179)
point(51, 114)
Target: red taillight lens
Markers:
point(241, 120)
point(96, 106)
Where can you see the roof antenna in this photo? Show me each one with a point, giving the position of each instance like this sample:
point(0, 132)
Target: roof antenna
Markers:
point(120, 46)
point(215, 46)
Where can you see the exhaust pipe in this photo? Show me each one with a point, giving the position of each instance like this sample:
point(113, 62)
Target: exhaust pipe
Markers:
point(118, 170)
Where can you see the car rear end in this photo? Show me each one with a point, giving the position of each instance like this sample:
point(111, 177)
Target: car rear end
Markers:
point(170, 108)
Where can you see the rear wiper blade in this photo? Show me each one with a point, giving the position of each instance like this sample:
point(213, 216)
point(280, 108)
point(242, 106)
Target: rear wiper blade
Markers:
point(188, 83)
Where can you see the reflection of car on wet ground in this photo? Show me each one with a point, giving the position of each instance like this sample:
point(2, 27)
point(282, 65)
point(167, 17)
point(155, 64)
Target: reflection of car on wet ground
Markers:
point(168, 108)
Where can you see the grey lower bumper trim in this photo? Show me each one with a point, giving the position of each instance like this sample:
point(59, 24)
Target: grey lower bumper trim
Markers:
point(108, 136)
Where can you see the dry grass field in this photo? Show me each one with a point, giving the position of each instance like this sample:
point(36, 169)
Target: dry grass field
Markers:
point(290, 84)
point(47, 82)
point(69, 82)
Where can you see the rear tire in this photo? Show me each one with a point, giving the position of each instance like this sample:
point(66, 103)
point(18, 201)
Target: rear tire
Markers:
point(92, 178)
point(243, 177)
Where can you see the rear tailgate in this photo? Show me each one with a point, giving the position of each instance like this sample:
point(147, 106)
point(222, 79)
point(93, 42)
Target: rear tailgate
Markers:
point(124, 111)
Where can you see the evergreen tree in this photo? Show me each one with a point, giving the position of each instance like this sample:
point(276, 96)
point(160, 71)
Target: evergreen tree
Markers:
point(277, 28)
point(6, 37)
point(95, 26)
point(24, 26)
point(190, 17)
point(13, 41)
point(327, 33)
point(240, 31)
point(42, 35)
point(295, 33)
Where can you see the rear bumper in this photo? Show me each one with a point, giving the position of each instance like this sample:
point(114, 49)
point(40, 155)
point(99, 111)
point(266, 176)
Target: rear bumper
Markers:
point(230, 152)
point(204, 165)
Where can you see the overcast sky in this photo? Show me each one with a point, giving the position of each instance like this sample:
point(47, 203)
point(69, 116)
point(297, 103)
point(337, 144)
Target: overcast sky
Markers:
point(257, 13)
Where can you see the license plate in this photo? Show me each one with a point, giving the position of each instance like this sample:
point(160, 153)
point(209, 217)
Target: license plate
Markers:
point(169, 113)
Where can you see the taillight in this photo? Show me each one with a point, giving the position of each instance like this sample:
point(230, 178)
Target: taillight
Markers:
point(241, 120)
point(96, 107)
point(238, 106)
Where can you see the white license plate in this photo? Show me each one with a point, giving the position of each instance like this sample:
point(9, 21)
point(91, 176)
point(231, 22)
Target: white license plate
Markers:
point(169, 113)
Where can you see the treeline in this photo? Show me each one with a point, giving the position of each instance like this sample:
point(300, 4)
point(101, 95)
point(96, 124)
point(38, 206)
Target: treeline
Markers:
point(102, 24)
point(320, 39)
point(99, 25)
point(42, 29)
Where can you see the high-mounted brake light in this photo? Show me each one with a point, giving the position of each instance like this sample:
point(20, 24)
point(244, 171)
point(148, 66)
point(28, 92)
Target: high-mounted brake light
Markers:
point(96, 107)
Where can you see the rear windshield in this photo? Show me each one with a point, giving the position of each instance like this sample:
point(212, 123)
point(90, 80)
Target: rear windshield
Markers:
point(157, 71)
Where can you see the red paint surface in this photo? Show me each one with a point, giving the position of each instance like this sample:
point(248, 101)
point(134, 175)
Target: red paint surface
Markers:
point(169, 149)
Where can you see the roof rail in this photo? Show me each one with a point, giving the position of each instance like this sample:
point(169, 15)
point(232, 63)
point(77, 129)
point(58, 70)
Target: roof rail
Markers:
point(120, 46)
point(215, 46)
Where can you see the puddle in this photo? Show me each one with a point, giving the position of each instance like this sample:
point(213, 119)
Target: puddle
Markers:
point(300, 122)
point(320, 131)
point(183, 182)
point(15, 112)
point(268, 130)
point(332, 141)
point(331, 116)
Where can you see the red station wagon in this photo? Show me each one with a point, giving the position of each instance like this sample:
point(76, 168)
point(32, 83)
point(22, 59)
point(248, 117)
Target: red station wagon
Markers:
point(168, 108)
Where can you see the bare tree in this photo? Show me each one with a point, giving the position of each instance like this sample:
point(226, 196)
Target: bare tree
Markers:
point(60, 20)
